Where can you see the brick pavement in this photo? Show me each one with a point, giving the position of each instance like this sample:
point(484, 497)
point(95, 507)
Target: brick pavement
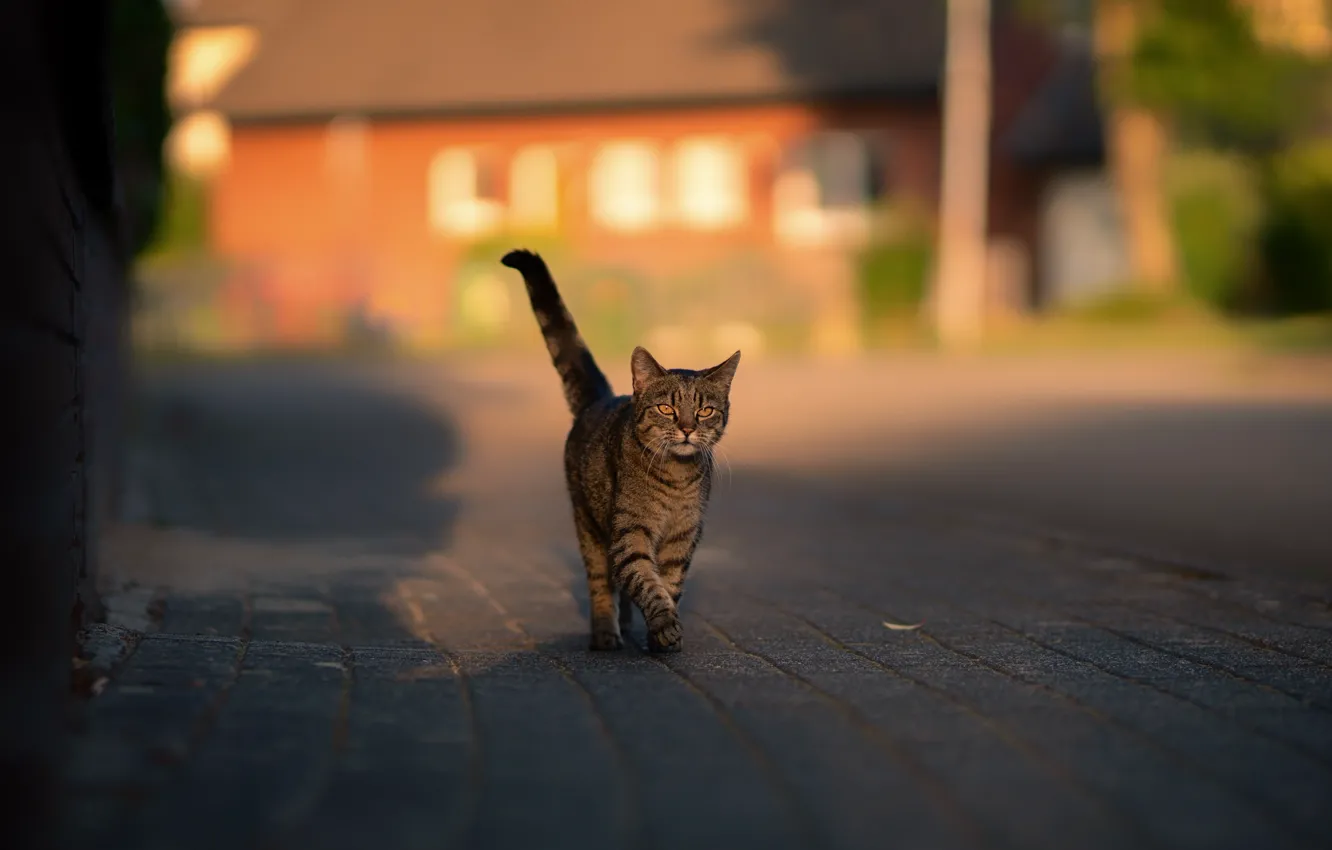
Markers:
point(373, 633)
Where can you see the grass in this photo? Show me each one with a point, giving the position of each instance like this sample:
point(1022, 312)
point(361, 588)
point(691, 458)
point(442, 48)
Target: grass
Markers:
point(1125, 322)
point(1143, 322)
point(175, 355)
point(1309, 335)
point(1302, 334)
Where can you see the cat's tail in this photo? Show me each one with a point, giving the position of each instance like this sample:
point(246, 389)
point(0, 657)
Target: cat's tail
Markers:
point(584, 383)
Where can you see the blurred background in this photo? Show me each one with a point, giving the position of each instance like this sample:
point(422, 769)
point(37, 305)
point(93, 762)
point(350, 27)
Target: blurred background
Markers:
point(783, 176)
point(1035, 305)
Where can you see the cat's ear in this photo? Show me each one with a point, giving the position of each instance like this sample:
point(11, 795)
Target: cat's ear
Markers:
point(722, 373)
point(645, 368)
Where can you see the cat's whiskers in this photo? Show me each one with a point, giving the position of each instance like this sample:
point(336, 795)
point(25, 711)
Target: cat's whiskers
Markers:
point(659, 447)
point(730, 471)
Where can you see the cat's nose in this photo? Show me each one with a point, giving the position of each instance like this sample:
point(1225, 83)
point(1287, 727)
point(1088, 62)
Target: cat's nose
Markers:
point(686, 430)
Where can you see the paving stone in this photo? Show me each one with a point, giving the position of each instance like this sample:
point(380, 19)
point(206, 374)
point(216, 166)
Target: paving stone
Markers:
point(204, 614)
point(379, 640)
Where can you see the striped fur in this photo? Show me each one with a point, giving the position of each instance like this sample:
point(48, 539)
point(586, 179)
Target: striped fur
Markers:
point(638, 467)
point(584, 384)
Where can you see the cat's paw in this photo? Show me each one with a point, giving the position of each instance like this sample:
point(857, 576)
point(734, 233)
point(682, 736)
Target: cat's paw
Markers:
point(668, 638)
point(605, 640)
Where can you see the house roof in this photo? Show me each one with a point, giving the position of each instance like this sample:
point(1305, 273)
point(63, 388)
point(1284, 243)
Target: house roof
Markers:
point(212, 13)
point(318, 58)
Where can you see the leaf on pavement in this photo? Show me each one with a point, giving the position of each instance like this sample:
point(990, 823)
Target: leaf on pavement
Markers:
point(902, 627)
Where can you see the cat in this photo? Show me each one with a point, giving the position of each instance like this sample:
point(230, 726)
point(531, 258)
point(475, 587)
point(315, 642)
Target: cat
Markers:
point(638, 468)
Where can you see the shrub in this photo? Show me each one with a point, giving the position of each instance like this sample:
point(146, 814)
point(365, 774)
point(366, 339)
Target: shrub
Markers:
point(1216, 208)
point(893, 271)
point(1296, 241)
point(182, 227)
point(607, 304)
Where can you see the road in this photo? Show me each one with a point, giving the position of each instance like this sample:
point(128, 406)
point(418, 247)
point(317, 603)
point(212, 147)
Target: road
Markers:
point(369, 620)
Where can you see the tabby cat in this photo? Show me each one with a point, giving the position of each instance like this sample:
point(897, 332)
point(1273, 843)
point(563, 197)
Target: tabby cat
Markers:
point(639, 469)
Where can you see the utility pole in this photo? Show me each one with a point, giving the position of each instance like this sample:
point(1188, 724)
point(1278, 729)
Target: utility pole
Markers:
point(960, 284)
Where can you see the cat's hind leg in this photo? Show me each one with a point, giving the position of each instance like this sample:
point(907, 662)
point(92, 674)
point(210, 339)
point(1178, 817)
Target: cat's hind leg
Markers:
point(600, 591)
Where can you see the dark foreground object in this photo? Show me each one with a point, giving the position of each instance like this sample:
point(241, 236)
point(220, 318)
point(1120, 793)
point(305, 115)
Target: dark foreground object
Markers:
point(57, 273)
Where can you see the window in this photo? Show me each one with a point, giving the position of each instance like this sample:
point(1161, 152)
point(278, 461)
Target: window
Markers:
point(824, 189)
point(625, 186)
point(462, 193)
point(534, 188)
point(711, 191)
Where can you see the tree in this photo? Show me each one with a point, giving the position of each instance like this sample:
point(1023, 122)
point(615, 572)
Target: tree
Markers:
point(1190, 71)
point(1224, 72)
point(1136, 142)
point(141, 32)
point(139, 38)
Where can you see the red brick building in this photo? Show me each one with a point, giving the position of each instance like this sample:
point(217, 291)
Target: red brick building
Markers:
point(375, 149)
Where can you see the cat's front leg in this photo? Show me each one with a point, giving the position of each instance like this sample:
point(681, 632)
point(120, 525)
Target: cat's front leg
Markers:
point(634, 569)
point(674, 556)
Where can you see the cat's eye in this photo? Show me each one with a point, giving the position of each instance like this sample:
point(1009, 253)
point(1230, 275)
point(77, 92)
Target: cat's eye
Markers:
point(705, 412)
point(666, 410)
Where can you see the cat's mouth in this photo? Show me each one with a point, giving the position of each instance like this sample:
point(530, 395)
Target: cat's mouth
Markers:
point(686, 448)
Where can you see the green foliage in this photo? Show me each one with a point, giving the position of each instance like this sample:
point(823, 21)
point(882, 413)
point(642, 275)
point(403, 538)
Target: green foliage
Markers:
point(1200, 62)
point(182, 226)
point(1217, 208)
point(893, 277)
point(141, 33)
point(1296, 241)
point(609, 305)
point(604, 299)
point(893, 271)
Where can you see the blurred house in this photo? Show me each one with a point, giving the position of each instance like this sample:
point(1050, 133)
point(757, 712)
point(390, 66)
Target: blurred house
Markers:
point(377, 157)
point(1079, 250)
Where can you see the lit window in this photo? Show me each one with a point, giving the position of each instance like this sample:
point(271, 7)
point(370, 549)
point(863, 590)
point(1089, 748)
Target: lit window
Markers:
point(461, 198)
point(534, 188)
point(202, 60)
point(710, 185)
point(625, 186)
